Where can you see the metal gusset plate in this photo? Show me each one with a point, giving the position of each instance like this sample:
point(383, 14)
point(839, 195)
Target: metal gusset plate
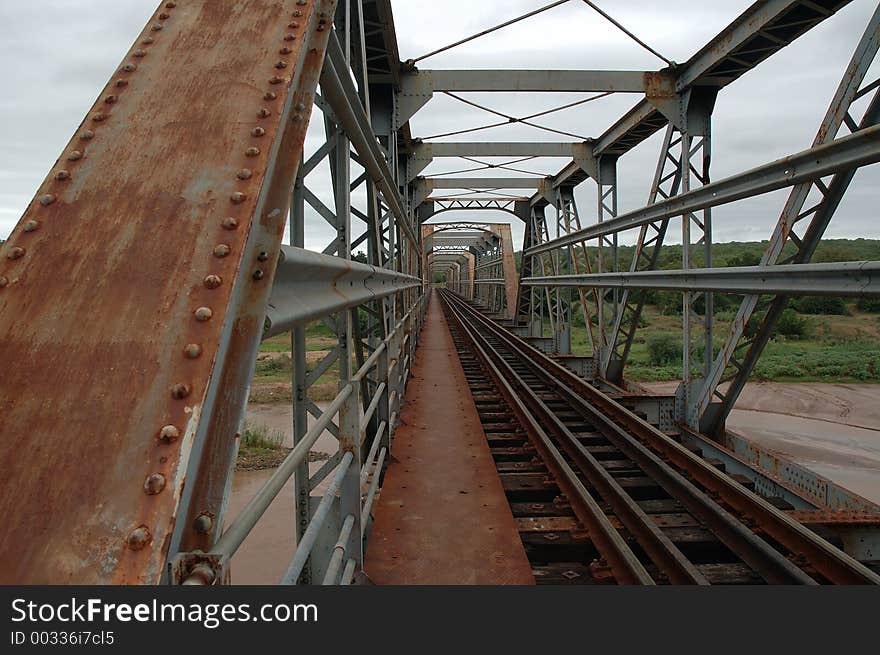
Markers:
point(132, 292)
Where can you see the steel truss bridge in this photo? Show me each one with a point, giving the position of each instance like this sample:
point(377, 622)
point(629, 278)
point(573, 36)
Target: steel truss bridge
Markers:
point(138, 285)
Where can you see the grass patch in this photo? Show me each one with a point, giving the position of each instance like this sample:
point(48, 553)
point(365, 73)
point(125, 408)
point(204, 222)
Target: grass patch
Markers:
point(260, 448)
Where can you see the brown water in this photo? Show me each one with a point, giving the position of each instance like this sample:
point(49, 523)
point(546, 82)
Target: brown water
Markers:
point(832, 429)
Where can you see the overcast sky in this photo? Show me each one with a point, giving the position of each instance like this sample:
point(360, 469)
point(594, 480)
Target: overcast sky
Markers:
point(56, 55)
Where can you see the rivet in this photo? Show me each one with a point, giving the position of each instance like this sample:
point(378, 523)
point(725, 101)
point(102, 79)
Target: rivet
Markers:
point(238, 197)
point(270, 95)
point(3, 281)
point(280, 65)
point(75, 155)
point(157, 27)
point(229, 223)
point(111, 99)
point(258, 274)
point(149, 40)
point(121, 83)
point(221, 250)
point(169, 434)
point(264, 113)
point(180, 390)
point(170, 5)
point(320, 27)
point(139, 53)
point(300, 106)
point(258, 131)
point(31, 226)
point(47, 199)
point(138, 538)
point(192, 350)
point(213, 281)
point(290, 37)
point(297, 13)
point(252, 152)
point(154, 484)
point(301, 3)
point(203, 314)
point(244, 174)
point(204, 523)
point(16, 252)
point(130, 68)
point(99, 118)
point(285, 50)
point(164, 16)
point(62, 175)
point(276, 80)
point(263, 256)
point(293, 25)
point(87, 135)
point(297, 118)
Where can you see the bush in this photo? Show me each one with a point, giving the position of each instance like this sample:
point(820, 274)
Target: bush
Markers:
point(826, 305)
point(871, 305)
point(791, 324)
point(663, 348)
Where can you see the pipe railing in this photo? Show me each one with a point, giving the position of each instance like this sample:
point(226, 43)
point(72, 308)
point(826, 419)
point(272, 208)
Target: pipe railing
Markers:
point(396, 350)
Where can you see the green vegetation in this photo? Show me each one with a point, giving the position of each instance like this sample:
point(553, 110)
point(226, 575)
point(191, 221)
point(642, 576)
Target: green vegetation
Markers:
point(260, 448)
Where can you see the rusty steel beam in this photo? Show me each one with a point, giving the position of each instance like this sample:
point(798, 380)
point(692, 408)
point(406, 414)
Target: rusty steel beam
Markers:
point(134, 291)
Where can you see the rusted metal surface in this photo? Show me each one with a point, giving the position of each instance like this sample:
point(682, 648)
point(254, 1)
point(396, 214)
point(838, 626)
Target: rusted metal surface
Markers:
point(121, 355)
point(442, 517)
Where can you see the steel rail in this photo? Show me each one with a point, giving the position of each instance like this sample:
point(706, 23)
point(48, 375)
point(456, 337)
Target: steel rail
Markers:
point(642, 439)
point(611, 545)
point(745, 544)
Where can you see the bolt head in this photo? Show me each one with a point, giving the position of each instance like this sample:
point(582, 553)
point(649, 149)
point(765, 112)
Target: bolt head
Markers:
point(16, 252)
point(180, 391)
point(276, 80)
point(280, 65)
point(290, 37)
point(157, 27)
point(154, 484)
point(213, 281)
point(121, 83)
point(222, 250)
point(4, 281)
point(164, 16)
point(75, 155)
point(170, 5)
point(148, 40)
point(238, 197)
point(252, 152)
point(99, 118)
point(62, 175)
point(270, 95)
point(31, 226)
point(259, 274)
point(139, 53)
point(258, 131)
point(203, 314)
point(229, 223)
point(285, 50)
point(129, 68)
point(87, 135)
point(47, 199)
point(264, 113)
point(204, 523)
point(138, 538)
point(263, 256)
point(169, 434)
point(244, 174)
point(192, 350)
point(293, 25)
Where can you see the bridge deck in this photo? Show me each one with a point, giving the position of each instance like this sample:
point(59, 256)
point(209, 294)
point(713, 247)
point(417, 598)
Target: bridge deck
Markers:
point(442, 517)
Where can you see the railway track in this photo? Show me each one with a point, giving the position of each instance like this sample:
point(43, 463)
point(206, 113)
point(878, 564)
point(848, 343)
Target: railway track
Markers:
point(602, 496)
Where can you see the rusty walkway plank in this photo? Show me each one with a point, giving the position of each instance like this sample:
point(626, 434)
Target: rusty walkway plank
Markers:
point(133, 289)
point(442, 517)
